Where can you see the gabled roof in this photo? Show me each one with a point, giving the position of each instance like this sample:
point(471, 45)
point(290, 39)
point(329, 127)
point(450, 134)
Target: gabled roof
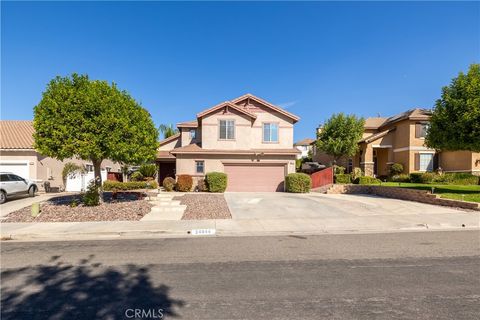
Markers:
point(169, 139)
point(16, 134)
point(267, 104)
point(304, 142)
point(194, 148)
point(227, 104)
point(412, 114)
point(376, 136)
point(188, 124)
point(374, 122)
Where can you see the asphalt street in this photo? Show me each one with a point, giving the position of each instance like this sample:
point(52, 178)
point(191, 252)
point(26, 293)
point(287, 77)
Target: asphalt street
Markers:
point(415, 275)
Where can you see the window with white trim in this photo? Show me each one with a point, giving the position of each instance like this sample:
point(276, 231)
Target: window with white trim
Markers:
point(227, 130)
point(426, 162)
point(270, 132)
point(200, 166)
point(193, 134)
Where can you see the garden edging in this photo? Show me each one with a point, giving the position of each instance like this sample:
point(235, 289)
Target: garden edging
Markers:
point(402, 194)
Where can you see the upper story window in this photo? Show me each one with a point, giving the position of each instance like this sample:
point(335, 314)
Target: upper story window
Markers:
point(421, 129)
point(270, 132)
point(227, 130)
point(89, 168)
point(193, 134)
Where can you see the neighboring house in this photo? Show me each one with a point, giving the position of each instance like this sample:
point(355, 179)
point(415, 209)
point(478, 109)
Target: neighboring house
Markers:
point(304, 146)
point(18, 156)
point(401, 139)
point(248, 138)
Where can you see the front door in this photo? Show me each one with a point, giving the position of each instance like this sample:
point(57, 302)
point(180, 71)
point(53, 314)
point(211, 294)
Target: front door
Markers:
point(166, 169)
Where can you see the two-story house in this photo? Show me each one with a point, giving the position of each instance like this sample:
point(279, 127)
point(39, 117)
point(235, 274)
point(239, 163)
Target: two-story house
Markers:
point(248, 138)
point(401, 139)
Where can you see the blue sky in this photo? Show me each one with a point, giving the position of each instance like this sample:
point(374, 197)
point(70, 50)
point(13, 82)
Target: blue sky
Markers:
point(314, 58)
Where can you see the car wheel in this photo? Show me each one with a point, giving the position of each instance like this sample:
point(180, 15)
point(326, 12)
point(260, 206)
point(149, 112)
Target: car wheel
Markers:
point(31, 191)
point(3, 197)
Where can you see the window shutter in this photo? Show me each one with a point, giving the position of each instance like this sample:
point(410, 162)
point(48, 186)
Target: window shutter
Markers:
point(417, 161)
point(418, 129)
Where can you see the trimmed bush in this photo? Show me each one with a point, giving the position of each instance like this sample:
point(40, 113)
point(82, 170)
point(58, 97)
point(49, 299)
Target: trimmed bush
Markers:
point(366, 180)
point(298, 183)
point(92, 196)
point(136, 176)
point(131, 185)
point(419, 177)
point(148, 170)
point(216, 181)
point(396, 169)
point(400, 178)
point(169, 183)
point(339, 170)
point(343, 178)
point(184, 183)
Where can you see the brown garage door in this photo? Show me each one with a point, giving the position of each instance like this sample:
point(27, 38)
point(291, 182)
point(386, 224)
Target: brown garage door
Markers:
point(250, 178)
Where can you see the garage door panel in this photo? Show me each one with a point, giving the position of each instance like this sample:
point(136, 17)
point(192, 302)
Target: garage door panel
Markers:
point(19, 168)
point(255, 178)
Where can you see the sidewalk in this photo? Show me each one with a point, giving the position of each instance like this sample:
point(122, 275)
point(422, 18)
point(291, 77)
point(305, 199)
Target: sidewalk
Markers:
point(247, 227)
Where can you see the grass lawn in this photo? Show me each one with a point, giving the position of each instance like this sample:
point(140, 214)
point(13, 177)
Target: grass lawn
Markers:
point(457, 192)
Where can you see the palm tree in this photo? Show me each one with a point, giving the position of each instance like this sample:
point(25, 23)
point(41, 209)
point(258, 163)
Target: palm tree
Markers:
point(167, 130)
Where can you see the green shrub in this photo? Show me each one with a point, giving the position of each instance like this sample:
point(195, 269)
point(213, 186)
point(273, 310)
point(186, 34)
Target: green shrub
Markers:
point(68, 169)
point(400, 178)
point(169, 183)
point(184, 183)
point(298, 183)
point(396, 169)
point(148, 170)
point(136, 176)
point(464, 178)
point(419, 177)
point(343, 178)
point(92, 196)
point(339, 170)
point(367, 180)
point(131, 185)
point(202, 185)
point(356, 173)
point(216, 181)
point(298, 164)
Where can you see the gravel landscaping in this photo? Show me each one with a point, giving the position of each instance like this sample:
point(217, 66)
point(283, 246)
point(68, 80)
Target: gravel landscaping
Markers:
point(70, 209)
point(203, 206)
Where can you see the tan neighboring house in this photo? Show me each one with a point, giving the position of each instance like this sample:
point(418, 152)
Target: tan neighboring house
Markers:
point(248, 138)
point(401, 139)
point(304, 146)
point(18, 156)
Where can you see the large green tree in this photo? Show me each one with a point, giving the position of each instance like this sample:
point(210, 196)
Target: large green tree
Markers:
point(339, 135)
point(93, 120)
point(455, 122)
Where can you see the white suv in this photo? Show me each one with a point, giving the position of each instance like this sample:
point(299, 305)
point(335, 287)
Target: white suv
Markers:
point(11, 184)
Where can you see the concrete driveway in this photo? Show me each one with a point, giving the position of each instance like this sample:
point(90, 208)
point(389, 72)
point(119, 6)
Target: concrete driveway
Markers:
point(346, 211)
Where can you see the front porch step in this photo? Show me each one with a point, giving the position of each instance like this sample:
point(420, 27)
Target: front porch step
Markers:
point(168, 203)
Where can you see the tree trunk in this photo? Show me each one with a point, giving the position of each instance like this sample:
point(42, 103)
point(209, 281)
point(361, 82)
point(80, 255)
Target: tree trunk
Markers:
point(97, 171)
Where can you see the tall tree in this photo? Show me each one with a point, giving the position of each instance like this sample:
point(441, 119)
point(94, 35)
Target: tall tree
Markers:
point(167, 130)
point(455, 122)
point(339, 135)
point(93, 120)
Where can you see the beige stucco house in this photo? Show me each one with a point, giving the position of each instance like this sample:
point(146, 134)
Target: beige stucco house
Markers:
point(248, 138)
point(401, 139)
point(18, 156)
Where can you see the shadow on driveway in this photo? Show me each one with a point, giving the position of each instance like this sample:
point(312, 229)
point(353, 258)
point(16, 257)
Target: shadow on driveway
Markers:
point(83, 291)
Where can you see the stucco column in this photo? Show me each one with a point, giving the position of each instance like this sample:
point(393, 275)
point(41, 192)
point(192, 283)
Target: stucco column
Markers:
point(366, 161)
